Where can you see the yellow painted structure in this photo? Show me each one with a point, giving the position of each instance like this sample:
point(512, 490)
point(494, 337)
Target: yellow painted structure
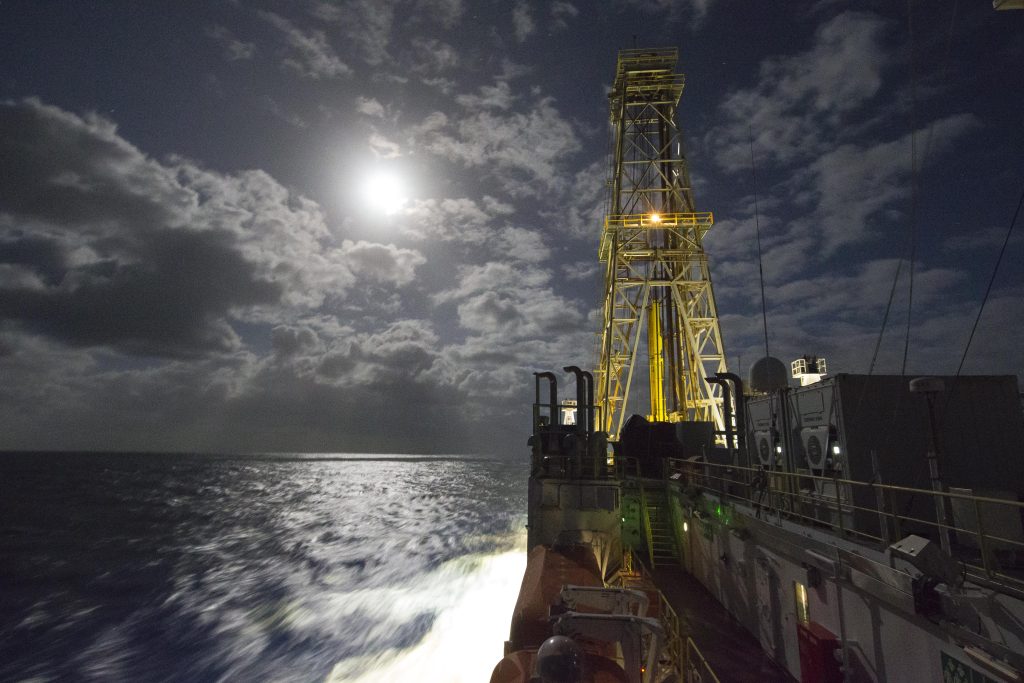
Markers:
point(656, 270)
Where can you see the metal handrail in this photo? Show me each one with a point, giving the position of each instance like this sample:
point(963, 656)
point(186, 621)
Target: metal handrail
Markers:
point(664, 220)
point(647, 524)
point(696, 665)
point(687, 661)
point(785, 501)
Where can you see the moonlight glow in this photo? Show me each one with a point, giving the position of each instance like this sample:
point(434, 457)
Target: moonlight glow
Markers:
point(384, 192)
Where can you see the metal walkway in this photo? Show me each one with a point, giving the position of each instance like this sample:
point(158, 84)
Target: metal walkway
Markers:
point(730, 650)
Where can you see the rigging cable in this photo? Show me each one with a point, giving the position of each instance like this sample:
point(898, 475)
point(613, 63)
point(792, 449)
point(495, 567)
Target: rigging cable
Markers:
point(927, 148)
point(757, 234)
point(977, 319)
point(991, 280)
point(914, 184)
point(764, 305)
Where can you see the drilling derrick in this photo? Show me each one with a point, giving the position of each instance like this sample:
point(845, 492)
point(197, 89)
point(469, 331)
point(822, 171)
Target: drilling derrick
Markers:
point(657, 284)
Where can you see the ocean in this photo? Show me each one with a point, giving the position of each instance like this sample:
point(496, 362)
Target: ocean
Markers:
point(145, 567)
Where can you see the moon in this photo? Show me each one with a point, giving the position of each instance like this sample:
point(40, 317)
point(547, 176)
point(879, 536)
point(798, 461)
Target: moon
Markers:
point(384, 192)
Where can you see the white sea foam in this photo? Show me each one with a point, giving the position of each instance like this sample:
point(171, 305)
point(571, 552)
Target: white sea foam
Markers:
point(472, 598)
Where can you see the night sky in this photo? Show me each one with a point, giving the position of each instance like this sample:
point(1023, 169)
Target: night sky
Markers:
point(361, 225)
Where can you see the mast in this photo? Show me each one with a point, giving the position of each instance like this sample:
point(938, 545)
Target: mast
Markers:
point(656, 270)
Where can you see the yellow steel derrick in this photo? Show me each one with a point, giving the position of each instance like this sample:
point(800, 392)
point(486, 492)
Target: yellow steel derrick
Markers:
point(656, 269)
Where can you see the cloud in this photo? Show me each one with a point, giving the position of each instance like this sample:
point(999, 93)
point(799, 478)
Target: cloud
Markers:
point(290, 340)
point(433, 56)
point(383, 148)
point(172, 301)
point(234, 49)
point(525, 245)
point(453, 219)
point(447, 13)
point(284, 113)
point(561, 13)
point(511, 302)
point(697, 9)
point(582, 210)
point(400, 352)
point(802, 102)
point(815, 124)
point(381, 262)
point(497, 96)
point(851, 185)
point(522, 21)
point(581, 270)
point(370, 106)
point(102, 246)
point(365, 24)
point(495, 275)
point(311, 56)
point(525, 151)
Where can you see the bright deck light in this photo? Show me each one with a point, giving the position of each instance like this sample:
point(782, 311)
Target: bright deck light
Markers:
point(655, 218)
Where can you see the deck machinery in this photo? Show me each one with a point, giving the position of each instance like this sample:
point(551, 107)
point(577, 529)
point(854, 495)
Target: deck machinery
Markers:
point(789, 514)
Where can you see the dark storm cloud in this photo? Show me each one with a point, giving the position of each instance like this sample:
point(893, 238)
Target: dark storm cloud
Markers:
point(77, 172)
point(32, 257)
point(102, 246)
point(167, 295)
point(289, 340)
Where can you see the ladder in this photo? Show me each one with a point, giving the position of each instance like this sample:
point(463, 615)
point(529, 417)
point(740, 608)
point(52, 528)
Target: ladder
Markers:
point(662, 548)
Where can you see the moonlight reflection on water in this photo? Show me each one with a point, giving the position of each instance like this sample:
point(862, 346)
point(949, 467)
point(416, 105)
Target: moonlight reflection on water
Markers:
point(208, 568)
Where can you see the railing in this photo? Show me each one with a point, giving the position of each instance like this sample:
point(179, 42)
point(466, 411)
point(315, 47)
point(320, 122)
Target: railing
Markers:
point(656, 221)
point(676, 223)
point(585, 467)
point(697, 668)
point(687, 661)
point(985, 534)
point(645, 517)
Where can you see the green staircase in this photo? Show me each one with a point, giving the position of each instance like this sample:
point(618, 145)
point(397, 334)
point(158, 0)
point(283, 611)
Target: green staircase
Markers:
point(659, 529)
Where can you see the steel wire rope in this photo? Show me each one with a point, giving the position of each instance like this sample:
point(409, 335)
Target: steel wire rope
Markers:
point(764, 305)
point(988, 289)
point(757, 235)
point(915, 163)
point(914, 184)
point(977, 319)
point(914, 169)
point(915, 191)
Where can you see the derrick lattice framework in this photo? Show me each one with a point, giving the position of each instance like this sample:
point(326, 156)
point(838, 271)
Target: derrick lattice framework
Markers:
point(657, 282)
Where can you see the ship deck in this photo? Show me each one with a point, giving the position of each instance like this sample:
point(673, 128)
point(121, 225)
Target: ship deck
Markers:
point(730, 650)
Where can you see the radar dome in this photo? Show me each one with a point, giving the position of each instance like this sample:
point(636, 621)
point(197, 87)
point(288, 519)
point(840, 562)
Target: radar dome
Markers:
point(768, 374)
